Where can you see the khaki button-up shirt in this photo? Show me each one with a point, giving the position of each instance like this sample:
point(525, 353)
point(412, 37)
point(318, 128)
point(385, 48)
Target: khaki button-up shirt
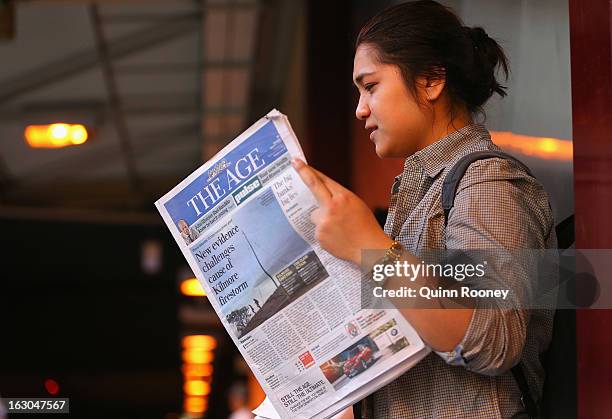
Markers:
point(497, 206)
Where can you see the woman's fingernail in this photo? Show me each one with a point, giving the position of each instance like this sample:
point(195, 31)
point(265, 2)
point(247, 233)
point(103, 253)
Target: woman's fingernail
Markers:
point(297, 162)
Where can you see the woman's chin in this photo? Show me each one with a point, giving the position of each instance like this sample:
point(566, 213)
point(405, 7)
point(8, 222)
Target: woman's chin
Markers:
point(384, 152)
point(381, 150)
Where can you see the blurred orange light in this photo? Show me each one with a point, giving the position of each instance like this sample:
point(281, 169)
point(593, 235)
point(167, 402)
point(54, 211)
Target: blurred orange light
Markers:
point(196, 388)
point(55, 135)
point(58, 131)
point(204, 342)
point(192, 288)
point(195, 404)
point(197, 370)
point(78, 134)
point(540, 147)
point(197, 356)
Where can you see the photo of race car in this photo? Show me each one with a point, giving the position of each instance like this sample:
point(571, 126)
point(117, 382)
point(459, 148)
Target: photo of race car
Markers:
point(364, 354)
point(358, 360)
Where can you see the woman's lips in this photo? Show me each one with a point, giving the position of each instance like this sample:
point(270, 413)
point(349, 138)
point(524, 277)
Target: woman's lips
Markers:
point(372, 135)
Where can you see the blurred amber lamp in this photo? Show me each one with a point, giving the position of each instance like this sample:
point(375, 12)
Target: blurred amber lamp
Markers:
point(539, 147)
point(55, 135)
point(192, 288)
point(203, 342)
point(196, 388)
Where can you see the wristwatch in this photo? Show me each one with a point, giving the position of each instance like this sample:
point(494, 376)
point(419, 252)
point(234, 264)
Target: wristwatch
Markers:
point(392, 255)
point(394, 252)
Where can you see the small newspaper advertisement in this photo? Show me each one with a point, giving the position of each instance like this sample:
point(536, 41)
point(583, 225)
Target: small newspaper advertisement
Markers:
point(242, 221)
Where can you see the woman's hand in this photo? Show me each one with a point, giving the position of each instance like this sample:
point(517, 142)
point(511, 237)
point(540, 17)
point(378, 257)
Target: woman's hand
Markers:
point(344, 223)
point(345, 414)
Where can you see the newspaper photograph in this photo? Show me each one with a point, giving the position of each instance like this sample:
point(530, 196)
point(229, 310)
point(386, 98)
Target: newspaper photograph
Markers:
point(242, 221)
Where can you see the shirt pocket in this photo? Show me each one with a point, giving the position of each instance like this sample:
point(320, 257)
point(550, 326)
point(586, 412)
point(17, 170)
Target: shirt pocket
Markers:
point(427, 228)
point(414, 234)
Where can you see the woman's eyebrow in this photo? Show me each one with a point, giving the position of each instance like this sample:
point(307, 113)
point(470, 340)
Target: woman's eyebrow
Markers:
point(359, 79)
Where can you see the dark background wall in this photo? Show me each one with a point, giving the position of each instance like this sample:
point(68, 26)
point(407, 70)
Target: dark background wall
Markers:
point(78, 308)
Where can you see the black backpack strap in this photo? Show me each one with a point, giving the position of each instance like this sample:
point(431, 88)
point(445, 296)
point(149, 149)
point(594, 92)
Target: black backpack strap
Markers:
point(455, 174)
point(565, 233)
point(528, 403)
point(449, 189)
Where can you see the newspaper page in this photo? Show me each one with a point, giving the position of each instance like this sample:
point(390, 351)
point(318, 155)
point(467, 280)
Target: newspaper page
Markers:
point(242, 221)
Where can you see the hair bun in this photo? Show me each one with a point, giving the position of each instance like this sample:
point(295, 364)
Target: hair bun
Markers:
point(477, 34)
point(488, 57)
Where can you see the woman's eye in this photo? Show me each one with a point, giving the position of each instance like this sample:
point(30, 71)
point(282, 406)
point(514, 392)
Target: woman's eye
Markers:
point(369, 86)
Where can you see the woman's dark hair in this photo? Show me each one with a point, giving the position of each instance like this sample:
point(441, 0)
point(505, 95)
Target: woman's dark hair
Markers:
point(425, 38)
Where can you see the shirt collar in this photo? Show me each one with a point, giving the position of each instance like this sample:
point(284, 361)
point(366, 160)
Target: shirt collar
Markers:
point(445, 151)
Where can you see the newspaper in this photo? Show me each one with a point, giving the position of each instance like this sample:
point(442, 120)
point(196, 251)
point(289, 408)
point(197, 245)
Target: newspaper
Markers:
point(242, 221)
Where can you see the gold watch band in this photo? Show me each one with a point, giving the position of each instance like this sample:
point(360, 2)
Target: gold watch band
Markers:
point(392, 255)
point(394, 251)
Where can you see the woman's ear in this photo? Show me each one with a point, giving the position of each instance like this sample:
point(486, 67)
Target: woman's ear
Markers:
point(432, 86)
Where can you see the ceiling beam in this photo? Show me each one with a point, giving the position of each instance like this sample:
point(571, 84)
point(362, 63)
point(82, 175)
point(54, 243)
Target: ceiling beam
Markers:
point(162, 68)
point(79, 215)
point(149, 17)
point(53, 111)
point(231, 31)
point(275, 40)
point(228, 36)
point(76, 63)
point(116, 106)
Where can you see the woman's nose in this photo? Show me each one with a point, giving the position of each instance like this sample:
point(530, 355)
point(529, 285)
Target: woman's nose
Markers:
point(362, 111)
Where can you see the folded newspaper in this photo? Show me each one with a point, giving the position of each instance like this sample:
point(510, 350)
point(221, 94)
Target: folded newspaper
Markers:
point(242, 221)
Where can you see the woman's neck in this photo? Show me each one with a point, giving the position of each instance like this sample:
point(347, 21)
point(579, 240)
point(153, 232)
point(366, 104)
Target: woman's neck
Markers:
point(442, 127)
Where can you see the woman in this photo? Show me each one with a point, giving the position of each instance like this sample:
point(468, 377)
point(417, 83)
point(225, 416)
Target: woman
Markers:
point(422, 76)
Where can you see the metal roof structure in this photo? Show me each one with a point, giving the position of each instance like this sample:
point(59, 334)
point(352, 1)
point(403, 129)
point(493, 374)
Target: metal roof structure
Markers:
point(163, 85)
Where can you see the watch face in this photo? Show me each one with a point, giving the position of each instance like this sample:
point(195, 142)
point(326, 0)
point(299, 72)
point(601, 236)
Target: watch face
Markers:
point(396, 246)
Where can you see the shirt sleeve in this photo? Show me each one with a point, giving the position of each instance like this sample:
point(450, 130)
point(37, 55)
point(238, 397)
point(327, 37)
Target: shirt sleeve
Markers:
point(498, 209)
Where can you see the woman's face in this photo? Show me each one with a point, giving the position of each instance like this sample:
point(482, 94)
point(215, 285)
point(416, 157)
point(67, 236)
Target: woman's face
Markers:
point(397, 124)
